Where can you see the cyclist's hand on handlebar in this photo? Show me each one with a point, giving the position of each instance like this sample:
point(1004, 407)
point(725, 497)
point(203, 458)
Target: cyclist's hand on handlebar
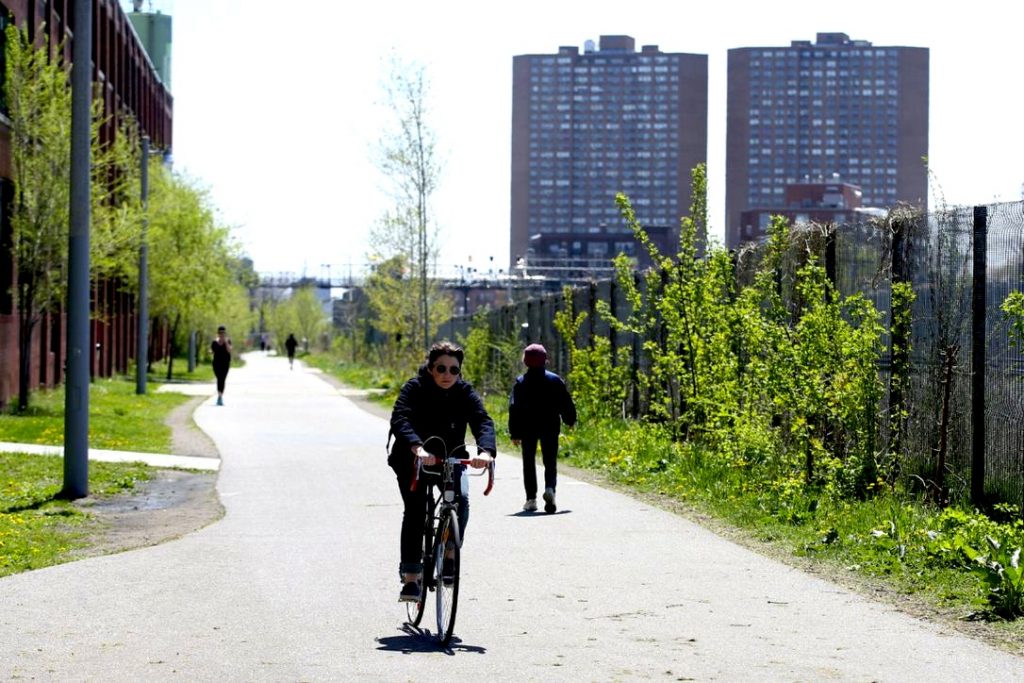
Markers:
point(427, 459)
point(481, 460)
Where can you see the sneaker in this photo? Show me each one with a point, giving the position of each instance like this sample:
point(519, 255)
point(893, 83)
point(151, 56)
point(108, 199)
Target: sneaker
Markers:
point(549, 501)
point(410, 592)
point(448, 570)
point(530, 505)
point(220, 400)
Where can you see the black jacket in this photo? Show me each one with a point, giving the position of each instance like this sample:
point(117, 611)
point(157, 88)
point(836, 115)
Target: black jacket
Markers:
point(539, 403)
point(424, 409)
point(221, 356)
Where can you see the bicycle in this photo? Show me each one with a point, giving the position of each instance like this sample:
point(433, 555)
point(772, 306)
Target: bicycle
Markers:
point(442, 540)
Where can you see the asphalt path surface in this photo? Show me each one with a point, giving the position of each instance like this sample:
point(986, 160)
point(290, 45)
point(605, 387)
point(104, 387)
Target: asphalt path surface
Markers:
point(299, 582)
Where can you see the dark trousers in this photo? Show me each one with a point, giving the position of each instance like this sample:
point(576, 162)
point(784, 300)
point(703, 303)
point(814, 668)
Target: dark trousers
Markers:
point(549, 452)
point(222, 375)
point(415, 514)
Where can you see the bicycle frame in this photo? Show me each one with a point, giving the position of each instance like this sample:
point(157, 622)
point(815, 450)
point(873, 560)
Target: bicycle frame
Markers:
point(442, 536)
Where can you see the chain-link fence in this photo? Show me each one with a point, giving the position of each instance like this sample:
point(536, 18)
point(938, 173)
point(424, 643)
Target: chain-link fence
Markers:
point(952, 416)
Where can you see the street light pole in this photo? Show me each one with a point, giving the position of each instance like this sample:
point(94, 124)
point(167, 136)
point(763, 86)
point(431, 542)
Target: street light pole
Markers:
point(142, 346)
point(76, 391)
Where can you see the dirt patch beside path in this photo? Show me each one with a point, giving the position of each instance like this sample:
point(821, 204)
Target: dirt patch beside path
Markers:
point(186, 437)
point(171, 504)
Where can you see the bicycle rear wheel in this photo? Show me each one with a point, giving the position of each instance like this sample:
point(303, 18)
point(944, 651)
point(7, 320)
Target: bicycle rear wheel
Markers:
point(414, 610)
point(446, 547)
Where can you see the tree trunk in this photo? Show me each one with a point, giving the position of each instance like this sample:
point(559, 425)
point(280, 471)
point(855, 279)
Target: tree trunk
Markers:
point(170, 346)
point(25, 326)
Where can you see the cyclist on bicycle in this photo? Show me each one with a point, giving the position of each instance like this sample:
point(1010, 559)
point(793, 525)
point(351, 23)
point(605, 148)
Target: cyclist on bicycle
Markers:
point(437, 402)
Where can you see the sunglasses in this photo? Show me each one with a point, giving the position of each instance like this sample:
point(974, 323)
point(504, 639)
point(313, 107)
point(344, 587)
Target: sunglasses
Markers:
point(454, 369)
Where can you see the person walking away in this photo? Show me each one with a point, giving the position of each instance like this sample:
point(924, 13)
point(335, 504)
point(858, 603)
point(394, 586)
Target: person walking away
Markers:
point(289, 344)
point(537, 407)
point(221, 348)
point(437, 402)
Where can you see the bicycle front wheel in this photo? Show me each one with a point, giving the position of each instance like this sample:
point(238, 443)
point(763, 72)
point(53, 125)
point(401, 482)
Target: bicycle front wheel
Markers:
point(446, 575)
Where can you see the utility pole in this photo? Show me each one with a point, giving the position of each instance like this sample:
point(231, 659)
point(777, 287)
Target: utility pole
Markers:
point(142, 346)
point(76, 391)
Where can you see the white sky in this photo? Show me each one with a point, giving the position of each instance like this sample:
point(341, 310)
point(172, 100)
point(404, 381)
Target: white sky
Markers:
point(277, 105)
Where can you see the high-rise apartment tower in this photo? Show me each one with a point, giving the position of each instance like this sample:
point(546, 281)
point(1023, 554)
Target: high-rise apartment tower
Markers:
point(586, 126)
point(836, 110)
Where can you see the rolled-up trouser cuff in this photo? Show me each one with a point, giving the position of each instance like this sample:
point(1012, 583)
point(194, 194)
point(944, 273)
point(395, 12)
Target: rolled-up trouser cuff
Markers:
point(409, 568)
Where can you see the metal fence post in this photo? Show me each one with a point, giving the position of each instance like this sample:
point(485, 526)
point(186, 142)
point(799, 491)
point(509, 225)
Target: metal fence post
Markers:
point(830, 256)
point(978, 356)
point(899, 358)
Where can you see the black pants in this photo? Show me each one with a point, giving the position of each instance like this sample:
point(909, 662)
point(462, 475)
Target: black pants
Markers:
point(414, 515)
point(222, 375)
point(549, 452)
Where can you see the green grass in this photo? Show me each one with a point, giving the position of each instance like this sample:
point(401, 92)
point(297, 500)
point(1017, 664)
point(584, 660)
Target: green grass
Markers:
point(37, 528)
point(118, 418)
point(358, 375)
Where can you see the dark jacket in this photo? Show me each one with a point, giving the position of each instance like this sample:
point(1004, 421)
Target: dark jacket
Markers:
point(424, 409)
point(221, 356)
point(539, 403)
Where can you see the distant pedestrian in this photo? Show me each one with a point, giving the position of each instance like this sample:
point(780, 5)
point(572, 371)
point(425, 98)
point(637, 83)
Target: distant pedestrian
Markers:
point(289, 344)
point(539, 404)
point(221, 348)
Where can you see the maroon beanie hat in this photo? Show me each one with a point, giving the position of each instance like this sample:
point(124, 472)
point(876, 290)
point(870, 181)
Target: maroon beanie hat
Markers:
point(535, 356)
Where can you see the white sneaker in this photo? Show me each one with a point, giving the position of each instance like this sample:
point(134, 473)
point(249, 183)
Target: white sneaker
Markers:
point(549, 501)
point(530, 505)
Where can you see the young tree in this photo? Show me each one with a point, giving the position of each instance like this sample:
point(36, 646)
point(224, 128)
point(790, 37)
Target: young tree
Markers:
point(408, 159)
point(280, 320)
point(309, 314)
point(391, 294)
point(39, 102)
point(117, 205)
point(191, 257)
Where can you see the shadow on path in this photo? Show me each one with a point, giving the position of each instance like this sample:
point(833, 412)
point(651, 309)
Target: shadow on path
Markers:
point(415, 639)
point(538, 514)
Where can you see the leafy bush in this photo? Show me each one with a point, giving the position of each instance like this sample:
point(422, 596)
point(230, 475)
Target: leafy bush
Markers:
point(492, 361)
point(596, 378)
point(789, 392)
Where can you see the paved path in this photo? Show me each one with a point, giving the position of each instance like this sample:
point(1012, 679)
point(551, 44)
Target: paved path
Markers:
point(154, 459)
point(298, 582)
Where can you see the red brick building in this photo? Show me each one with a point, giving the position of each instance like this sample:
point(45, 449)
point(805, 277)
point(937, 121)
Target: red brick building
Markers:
point(835, 202)
point(129, 83)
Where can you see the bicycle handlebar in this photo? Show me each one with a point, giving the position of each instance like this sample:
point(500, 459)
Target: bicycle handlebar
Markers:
point(418, 468)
